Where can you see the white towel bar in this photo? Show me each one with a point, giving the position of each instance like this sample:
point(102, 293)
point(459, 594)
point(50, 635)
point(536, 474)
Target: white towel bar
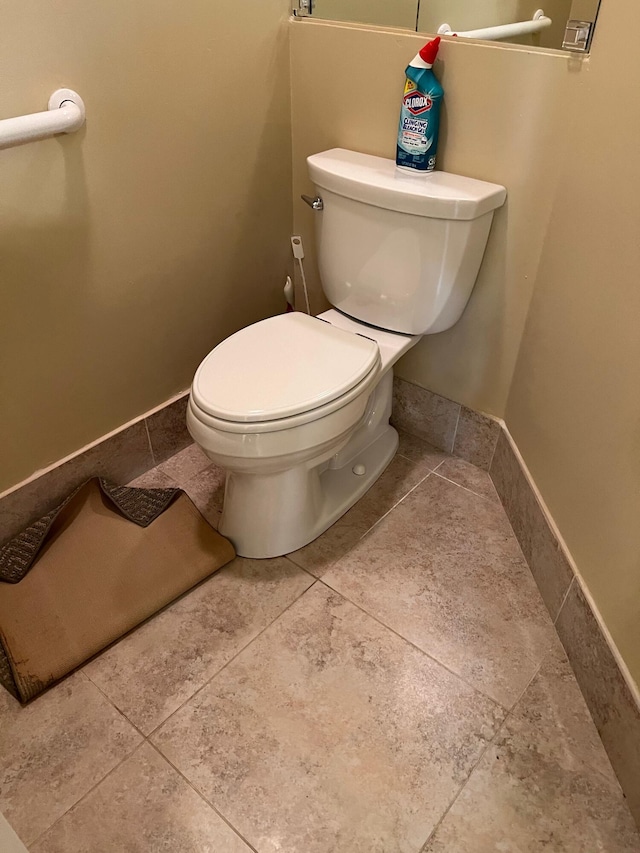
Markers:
point(505, 31)
point(65, 114)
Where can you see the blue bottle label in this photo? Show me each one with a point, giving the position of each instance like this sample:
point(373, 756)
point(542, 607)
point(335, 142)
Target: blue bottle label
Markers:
point(419, 120)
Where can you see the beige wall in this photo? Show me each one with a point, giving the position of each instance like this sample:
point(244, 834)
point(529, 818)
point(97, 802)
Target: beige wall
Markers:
point(574, 406)
point(504, 121)
point(383, 13)
point(128, 250)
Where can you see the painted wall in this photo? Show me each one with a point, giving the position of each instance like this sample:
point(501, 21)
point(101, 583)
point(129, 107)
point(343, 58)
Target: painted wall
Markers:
point(382, 13)
point(505, 120)
point(574, 406)
point(131, 248)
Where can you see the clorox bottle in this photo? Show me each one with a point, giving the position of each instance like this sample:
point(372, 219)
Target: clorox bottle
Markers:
point(420, 113)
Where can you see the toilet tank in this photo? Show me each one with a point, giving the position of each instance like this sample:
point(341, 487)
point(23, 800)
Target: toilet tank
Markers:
point(396, 250)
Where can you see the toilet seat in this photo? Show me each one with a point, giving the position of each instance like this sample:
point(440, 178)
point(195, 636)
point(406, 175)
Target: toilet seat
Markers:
point(282, 372)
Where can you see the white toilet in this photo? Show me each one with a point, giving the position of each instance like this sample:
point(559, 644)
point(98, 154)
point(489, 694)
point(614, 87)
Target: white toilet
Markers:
point(296, 408)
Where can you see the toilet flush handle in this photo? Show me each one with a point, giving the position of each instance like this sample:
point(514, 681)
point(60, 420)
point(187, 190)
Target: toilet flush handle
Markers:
point(314, 203)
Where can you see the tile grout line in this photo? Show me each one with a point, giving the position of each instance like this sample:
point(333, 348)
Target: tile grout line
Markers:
point(563, 602)
point(397, 503)
point(508, 714)
point(313, 580)
point(112, 703)
point(147, 738)
point(413, 645)
point(359, 607)
point(466, 488)
point(302, 569)
point(431, 470)
point(153, 456)
point(523, 555)
point(86, 793)
point(495, 447)
point(441, 820)
point(200, 794)
point(83, 673)
point(455, 432)
point(231, 660)
point(521, 472)
point(369, 529)
point(117, 766)
point(503, 504)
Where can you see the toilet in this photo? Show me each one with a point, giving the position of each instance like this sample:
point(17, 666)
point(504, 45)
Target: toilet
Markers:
point(296, 408)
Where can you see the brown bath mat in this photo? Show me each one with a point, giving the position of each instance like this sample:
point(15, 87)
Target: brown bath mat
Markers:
point(84, 575)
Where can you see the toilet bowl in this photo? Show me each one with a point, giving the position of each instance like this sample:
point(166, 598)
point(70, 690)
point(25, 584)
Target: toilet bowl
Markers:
point(307, 431)
point(296, 408)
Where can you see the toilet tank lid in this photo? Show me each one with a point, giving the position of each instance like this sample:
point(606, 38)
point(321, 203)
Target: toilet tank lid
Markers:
point(378, 181)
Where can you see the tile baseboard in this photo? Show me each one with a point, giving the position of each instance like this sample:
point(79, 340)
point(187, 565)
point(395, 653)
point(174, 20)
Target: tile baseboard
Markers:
point(465, 433)
point(607, 686)
point(150, 439)
point(120, 456)
point(610, 693)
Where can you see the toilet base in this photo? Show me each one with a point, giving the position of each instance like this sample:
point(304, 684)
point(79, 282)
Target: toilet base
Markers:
point(273, 514)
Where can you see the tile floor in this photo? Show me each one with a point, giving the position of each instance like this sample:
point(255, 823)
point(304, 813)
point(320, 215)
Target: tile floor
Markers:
point(394, 687)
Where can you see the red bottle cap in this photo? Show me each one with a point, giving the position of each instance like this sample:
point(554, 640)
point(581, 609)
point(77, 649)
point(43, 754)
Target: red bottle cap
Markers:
point(430, 51)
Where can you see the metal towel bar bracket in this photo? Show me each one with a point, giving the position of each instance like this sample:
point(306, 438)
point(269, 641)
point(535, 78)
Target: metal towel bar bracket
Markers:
point(65, 114)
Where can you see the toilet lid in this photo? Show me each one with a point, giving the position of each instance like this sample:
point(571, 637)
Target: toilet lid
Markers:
point(281, 367)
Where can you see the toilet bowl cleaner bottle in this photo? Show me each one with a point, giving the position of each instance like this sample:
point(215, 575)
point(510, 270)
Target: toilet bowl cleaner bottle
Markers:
point(420, 113)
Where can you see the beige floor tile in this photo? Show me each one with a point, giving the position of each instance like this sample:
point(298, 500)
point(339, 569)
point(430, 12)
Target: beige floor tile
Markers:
point(155, 478)
point(418, 450)
point(544, 784)
point(330, 734)
point(206, 490)
point(151, 672)
point(400, 477)
point(56, 749)
point(142, 807)
point(469, 477)
point(445, 571)
point(185, 464)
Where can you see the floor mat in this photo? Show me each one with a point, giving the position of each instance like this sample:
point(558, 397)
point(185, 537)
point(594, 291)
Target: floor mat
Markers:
point(95, 567)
